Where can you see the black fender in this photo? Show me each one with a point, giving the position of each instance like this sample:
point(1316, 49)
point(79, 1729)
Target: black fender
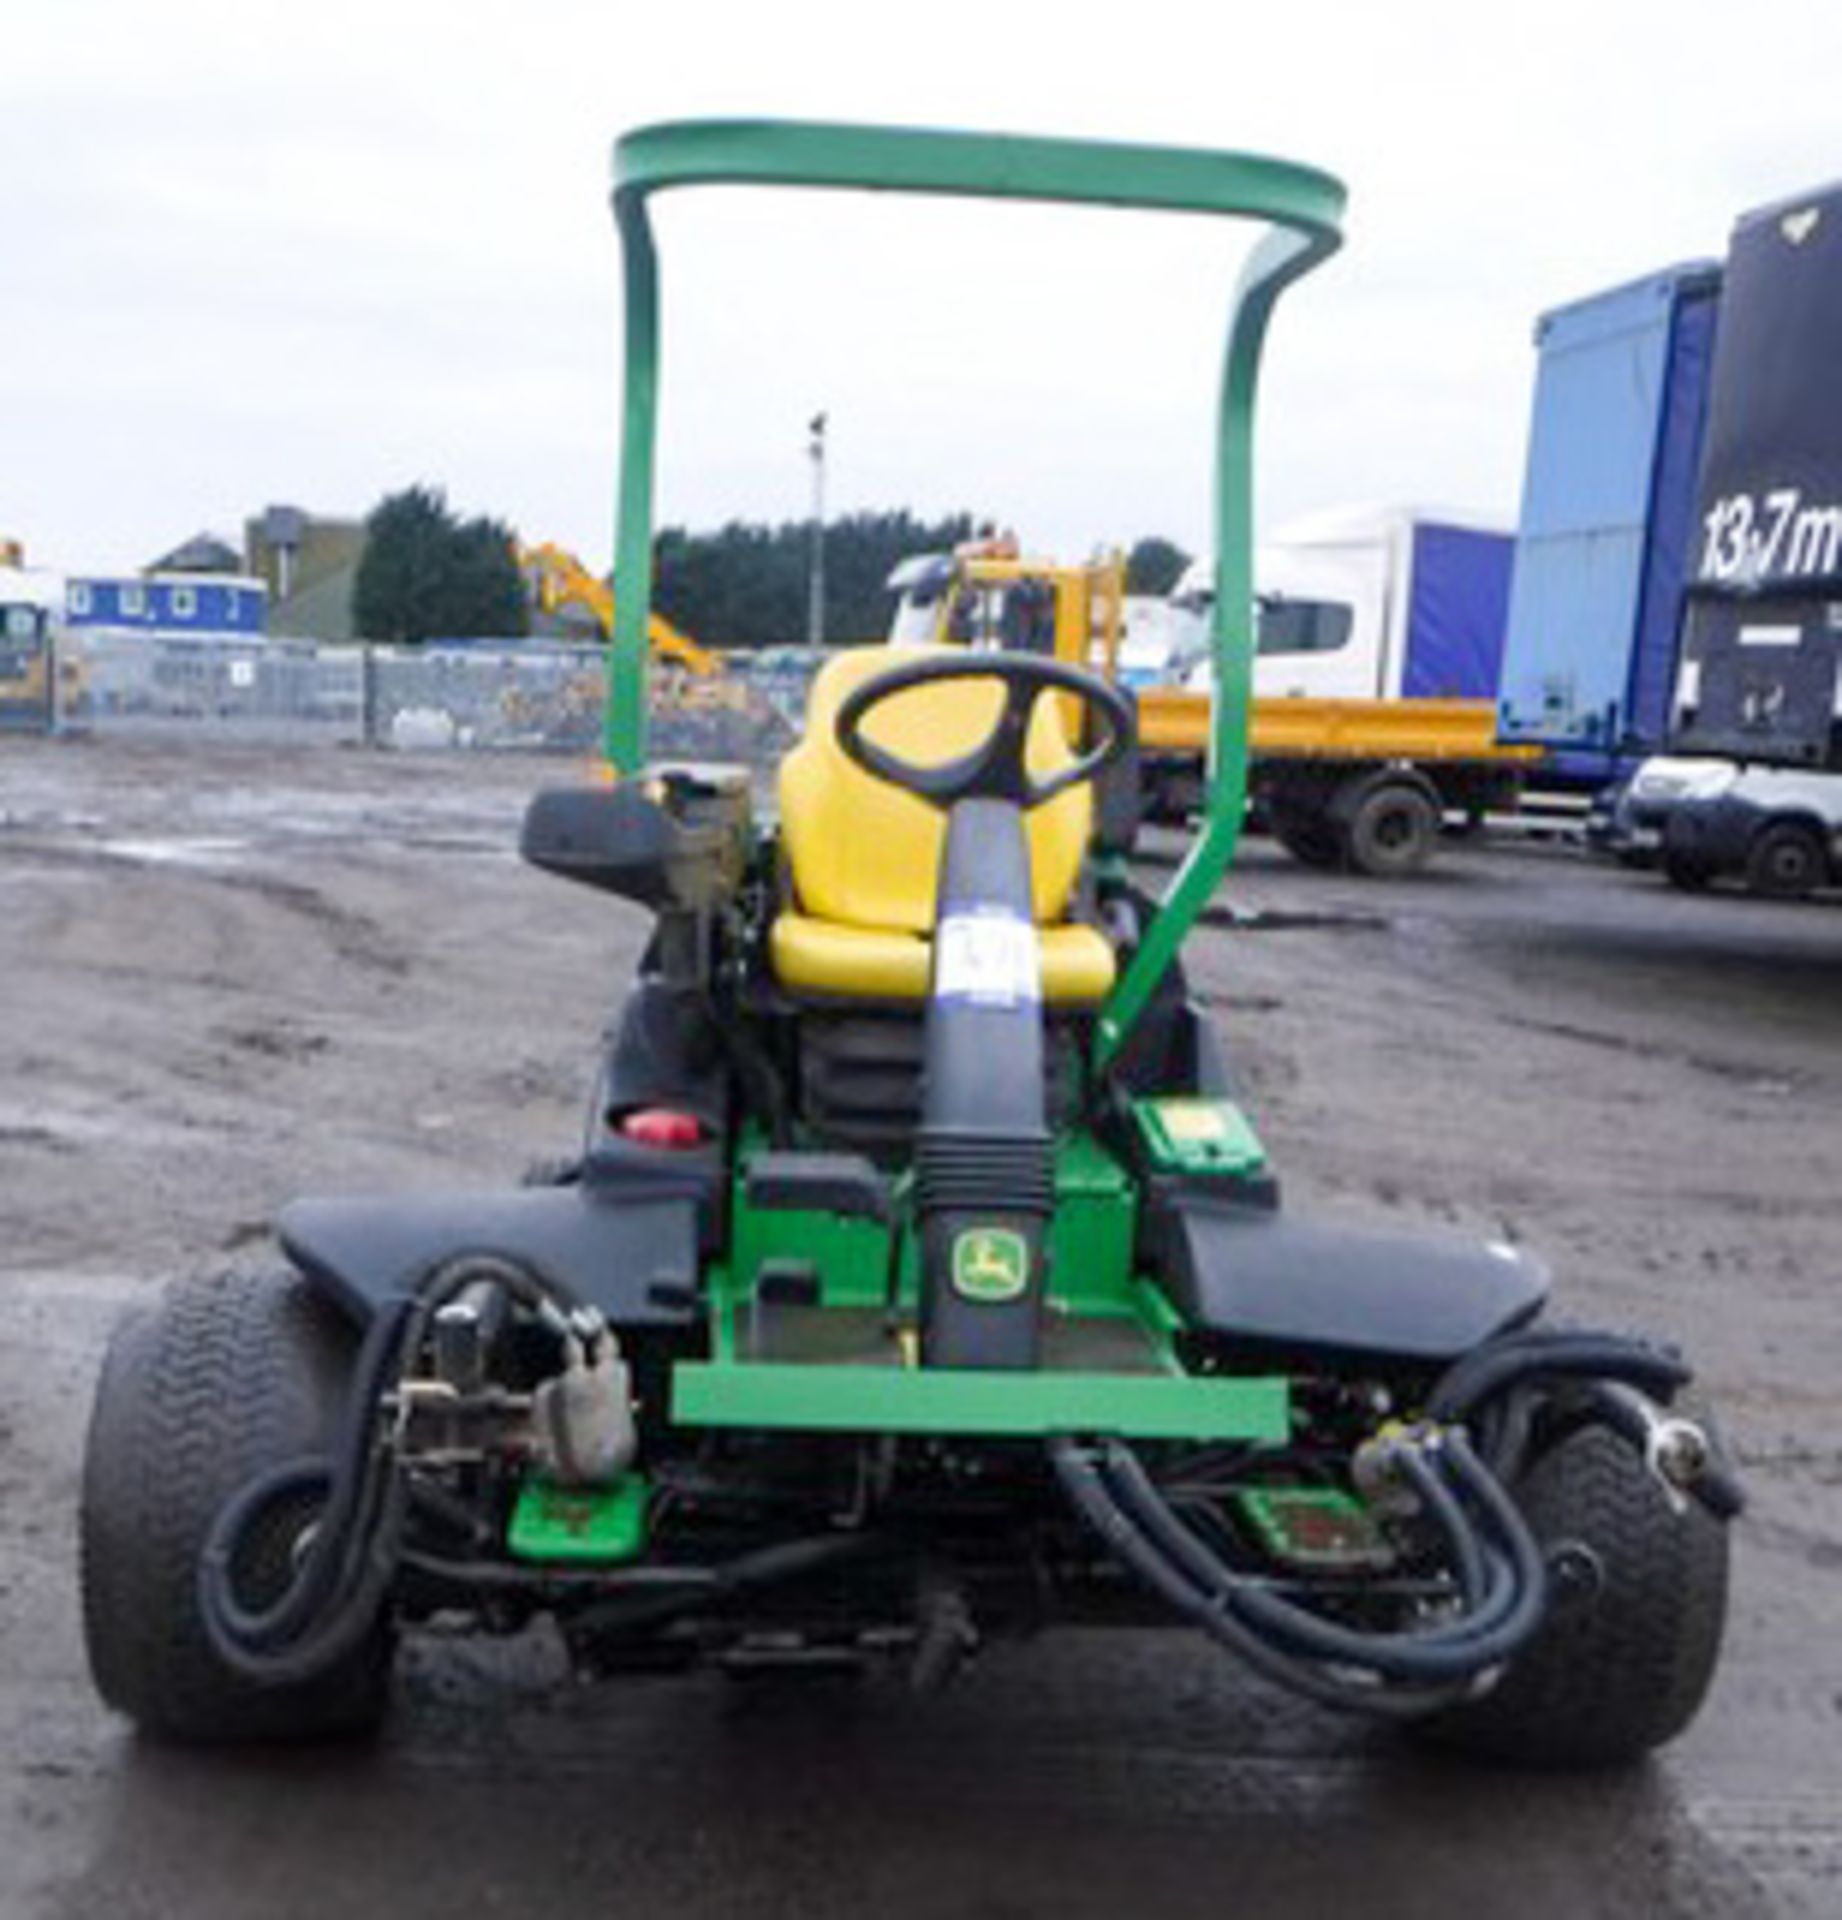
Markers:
point(633, 1256)
point(1310, 1288)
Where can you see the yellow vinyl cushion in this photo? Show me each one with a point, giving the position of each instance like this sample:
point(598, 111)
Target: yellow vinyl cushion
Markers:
point(863, 851)
point(884, 963)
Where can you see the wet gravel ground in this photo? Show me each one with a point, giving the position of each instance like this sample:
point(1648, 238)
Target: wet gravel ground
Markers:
point(227, 976)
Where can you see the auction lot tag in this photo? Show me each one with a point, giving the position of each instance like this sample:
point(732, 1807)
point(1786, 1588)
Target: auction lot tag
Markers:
point(987, 958)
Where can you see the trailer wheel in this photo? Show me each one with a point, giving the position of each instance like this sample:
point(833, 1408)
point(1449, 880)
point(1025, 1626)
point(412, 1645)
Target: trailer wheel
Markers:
point(1787, 860)
point(1686, 872)
point(1307, 836)
point(228, 1375)
point(1623, 1664)
point(1391, 830)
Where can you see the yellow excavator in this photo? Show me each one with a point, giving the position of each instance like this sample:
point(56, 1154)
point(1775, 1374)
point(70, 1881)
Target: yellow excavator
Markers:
point(557, 581)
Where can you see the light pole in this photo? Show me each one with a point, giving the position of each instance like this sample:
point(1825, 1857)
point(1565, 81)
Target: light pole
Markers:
point(815, 566)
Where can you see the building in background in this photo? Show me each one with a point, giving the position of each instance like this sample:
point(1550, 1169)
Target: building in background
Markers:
point(188, 606)
point(309, 566)
point(203, 553)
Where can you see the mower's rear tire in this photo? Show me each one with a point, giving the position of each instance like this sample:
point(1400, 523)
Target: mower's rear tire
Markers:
point(1616, 1671)
point(227, 1376)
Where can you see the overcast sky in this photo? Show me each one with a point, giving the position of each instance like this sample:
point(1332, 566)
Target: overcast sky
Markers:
point(312, 252)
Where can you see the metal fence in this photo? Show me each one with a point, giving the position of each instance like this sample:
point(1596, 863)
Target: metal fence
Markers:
point(268, 690)
point(530, 698)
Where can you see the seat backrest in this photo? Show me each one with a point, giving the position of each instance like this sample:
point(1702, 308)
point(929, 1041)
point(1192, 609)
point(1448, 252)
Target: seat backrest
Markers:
point(863, 851)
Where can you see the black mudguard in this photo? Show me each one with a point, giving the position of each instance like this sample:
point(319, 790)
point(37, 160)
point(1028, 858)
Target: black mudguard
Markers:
point(633, 1257)
point(1297, 1287)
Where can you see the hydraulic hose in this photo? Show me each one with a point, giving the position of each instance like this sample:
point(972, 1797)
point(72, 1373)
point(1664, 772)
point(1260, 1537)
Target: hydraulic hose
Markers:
point(1498, 1365)
point(343, 1572)
point(322, 1610)
point(1498, 1567)
point(1496, 1563)
point(1093, 1500)
point(1619, 1378)
point(784, 1561)
point(1468, 1554)
point(1507, 1612)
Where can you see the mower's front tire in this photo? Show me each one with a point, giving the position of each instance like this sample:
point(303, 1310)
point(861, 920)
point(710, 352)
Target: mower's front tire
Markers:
point(227, 1376)
point(1623, 1664)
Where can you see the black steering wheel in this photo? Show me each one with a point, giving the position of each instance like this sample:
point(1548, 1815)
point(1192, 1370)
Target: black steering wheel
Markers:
point(995, 768)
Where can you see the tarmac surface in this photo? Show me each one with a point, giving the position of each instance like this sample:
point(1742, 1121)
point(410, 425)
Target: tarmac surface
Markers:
point(228, 976)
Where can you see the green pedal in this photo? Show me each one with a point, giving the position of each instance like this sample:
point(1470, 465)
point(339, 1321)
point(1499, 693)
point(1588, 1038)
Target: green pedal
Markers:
point(581, 1525)
point(1314, 1529)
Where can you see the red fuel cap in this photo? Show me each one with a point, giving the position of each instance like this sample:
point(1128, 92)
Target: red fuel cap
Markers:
point(662, 1127)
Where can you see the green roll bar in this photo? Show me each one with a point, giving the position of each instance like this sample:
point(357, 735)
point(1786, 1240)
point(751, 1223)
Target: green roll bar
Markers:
point(1302, 206)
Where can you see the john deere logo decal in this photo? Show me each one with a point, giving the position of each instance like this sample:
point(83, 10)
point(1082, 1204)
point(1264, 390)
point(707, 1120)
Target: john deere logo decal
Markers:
point(990, 1263)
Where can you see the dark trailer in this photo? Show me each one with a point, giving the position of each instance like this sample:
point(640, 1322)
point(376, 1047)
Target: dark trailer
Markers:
point(1764, 625)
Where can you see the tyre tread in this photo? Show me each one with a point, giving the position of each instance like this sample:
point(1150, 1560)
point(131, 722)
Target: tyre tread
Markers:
point(231, 1373)
point(1611, 1678)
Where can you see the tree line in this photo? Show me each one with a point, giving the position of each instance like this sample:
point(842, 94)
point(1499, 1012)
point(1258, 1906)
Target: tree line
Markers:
point(425, 573)
point(745, 585)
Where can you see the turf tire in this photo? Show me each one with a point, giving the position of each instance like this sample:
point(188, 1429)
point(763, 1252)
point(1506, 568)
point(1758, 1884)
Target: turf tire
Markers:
point(228, 1375)
point(1613, 1675)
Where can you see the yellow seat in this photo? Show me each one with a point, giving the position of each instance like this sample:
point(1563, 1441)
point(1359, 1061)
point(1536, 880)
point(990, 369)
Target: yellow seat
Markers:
point(831, 957)
point(865, 857)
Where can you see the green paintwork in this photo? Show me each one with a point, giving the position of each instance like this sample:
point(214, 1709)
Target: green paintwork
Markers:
point(1318, 1529)
point(851, 1255)
point(1303, 208)
point(1188, 1135)
point(1091, 1278)
point(1278, 260)
point(579, 1525)
point(1092, 1230)
point(848, 1399)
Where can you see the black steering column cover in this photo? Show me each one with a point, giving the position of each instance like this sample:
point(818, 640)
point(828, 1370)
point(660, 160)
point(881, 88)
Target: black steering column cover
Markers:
point(983, 1176)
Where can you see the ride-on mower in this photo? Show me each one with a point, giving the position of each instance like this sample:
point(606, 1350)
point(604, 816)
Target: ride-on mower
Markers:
point(919, 1280)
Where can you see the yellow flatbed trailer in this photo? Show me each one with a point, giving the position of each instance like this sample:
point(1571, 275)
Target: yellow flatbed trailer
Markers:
point(1359, 783)
point(1176, 720)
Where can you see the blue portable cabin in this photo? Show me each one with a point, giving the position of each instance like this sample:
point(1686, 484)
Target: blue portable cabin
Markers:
point(1606, 531)
point(201, 606)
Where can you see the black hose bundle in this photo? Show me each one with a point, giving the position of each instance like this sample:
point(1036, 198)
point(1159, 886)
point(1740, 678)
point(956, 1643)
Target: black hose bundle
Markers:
point(1551, 1353)
point(1501, 1579)
point(1497, 1566)
point(346, 1562)
point(1616, 1380)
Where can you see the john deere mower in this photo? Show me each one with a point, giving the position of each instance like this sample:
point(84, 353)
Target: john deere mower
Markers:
point(919, 1281)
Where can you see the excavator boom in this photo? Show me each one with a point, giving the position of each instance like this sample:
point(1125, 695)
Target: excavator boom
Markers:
point(557, 580)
